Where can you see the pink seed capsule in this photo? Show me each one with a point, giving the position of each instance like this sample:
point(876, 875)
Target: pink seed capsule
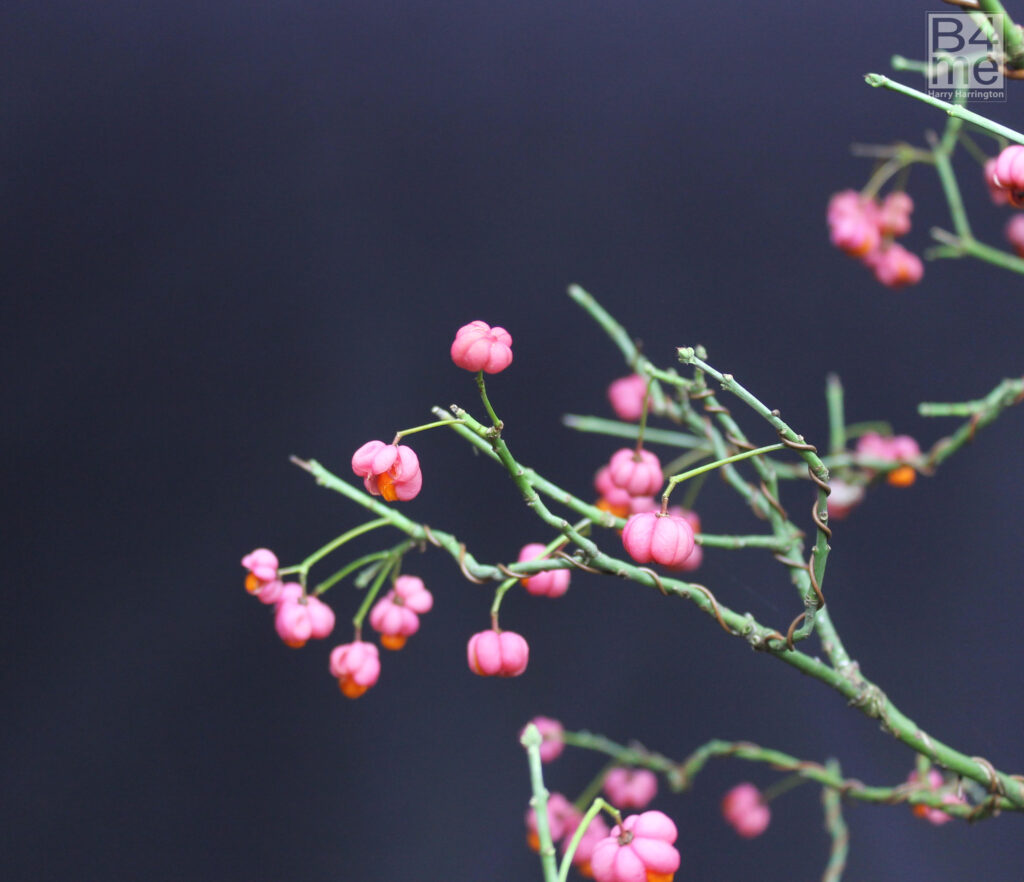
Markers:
point(617, 499)
point(497, 654)
point(1009, 169)
point(553, 583)
point(641, 849)
point(843, 499)
point(479, 347)
point(997, 194)
point(262, 566)
point(664, 539)
point(630, 788)
point(744, 811)
point(894, 215)
point(388, 470)
point(1015, 233)
point(626, 396)
point(895, 267)
point(298, 619)
point(396, 615)
point(356, 667)
point(636, 472)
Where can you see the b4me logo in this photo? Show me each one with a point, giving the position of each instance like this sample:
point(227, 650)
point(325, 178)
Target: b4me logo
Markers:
point(963, 57)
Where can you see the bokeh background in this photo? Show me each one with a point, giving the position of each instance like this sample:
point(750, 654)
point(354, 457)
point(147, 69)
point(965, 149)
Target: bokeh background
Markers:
point(237, 231)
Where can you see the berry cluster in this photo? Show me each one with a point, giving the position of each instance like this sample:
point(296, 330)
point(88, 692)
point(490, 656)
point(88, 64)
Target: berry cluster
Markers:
point(864, 228)
point(298, 616)
point(627, 487)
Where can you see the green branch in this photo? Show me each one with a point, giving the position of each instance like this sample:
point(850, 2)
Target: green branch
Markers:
point(968, 116)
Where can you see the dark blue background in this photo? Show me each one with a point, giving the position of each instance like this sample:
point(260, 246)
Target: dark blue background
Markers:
point(235, 231)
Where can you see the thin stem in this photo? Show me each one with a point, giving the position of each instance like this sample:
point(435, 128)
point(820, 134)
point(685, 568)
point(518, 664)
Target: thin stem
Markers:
point(947, 178)
point(955, 246)
point(303, 568)
point(643, 419)
point(781, 787)
point(482, 386)
point(592, 789)
point(349, 568)
point(690, 499)
point(971, 146)
point(423, 428)
point(596, 807)
point(878, 179)
point(531, 739)
point(618, 429)
point(390, 563)
point(711, 466)
point(836, 414)
point(831, 800)
point(981, 412)
point(975, 119)
point(499, 595)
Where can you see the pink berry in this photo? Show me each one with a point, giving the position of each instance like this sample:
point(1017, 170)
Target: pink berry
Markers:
point(563, 819)
point(636, 472)
point(904, 448)
point(388, 470)
point(627, 397)
point(844, 204)
point(497, 654)
point(692, 561)
point(855, 234)
point(396, 615)
point(356, 667)
point(613, 495)
point(898, 448)
point(630, 788)
point(745, 812)
point(1015, 233)
point(293, 624)
point(894, 215)
point(553, 583)
point(641, 849)
point(873, 446)
point(1008, 173)
point(895, 267)
point(262, 566)
point(997, 194)
point(664, 539)
point(479, 347)
point(297, 620)
point(551, 732)
point(843, 499)
point(269, 592)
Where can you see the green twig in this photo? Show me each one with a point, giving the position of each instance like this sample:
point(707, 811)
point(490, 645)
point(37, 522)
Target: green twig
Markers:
point(975, 119)
point(831, 800)
point(630, 430)
point(531, 739)
point(675, 480)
